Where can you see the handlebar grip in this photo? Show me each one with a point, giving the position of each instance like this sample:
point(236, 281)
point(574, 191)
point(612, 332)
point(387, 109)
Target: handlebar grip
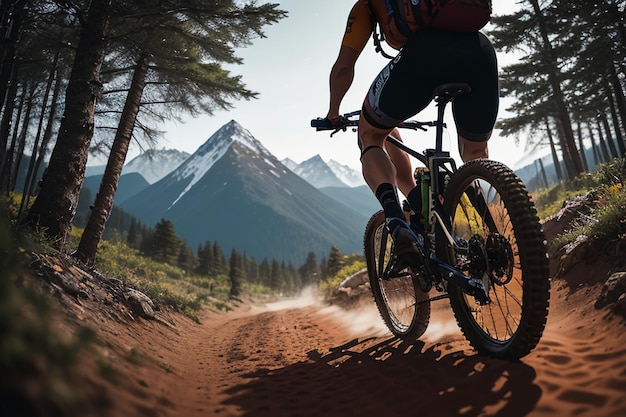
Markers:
point(322, 123)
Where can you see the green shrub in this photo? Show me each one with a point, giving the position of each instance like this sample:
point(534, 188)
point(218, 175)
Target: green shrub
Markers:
point(328, 288)
point(608, 220)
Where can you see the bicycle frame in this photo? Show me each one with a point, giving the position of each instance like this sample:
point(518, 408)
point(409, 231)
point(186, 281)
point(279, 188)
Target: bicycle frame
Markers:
point(438, 161)
point(484, 249)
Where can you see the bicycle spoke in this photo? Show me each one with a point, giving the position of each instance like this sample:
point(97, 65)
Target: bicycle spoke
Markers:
point(405, 310)
point(480, 215)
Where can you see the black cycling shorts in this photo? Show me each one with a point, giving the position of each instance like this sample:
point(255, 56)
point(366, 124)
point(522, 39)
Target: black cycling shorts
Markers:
point(431, 58)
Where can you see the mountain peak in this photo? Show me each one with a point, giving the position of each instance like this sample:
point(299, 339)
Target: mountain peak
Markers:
point(315, 159)
point(154, 164)
point(321, 174)
point(198, 164)
point(231, 132)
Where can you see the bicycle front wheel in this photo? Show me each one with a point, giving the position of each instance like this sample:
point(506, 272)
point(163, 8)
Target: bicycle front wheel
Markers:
point(498, 238)
point(403, 305)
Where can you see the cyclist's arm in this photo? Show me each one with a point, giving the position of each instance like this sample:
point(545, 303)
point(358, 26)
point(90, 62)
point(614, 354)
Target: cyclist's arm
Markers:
point(358, 30)
point(341, 77)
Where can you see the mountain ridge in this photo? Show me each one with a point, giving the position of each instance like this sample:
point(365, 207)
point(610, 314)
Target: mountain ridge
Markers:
point(234, 191)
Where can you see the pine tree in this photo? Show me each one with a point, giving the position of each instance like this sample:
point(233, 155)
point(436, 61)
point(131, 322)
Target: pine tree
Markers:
point(235, 274)
point(309, 271)
point(276, 278)
point(56, 203)
point(571, 52)
point(186, 258)
point(133, 232)
point(205, 259)
point(219, 266)
point(164, 244)
point(335, 261)
point(177, 49)
point(265, 273)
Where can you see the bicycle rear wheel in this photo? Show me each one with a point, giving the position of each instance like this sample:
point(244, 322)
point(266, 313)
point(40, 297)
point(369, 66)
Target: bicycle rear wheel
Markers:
point(499, 239)
point(403, 306)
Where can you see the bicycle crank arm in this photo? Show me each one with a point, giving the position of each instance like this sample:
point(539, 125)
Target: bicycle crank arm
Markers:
point(468, 284)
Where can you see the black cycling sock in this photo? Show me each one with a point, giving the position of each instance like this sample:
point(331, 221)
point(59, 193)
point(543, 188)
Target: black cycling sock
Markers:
point(388, 197)
point(415, 199)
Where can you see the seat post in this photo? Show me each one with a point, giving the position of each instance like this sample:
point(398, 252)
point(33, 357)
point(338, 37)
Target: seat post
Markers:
point(444, 94)
point(441, 108)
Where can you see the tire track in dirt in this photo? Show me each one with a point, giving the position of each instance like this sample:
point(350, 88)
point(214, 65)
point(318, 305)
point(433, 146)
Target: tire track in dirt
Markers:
point(310, 361)
point(307, 359)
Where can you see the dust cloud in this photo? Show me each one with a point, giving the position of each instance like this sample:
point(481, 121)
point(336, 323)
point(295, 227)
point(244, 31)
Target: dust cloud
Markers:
point(364, 319)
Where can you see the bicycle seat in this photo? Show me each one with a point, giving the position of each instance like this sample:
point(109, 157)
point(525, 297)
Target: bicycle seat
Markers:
point(448, 91)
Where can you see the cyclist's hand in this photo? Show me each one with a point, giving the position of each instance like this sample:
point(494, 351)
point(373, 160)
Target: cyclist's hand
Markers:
point(324, 123)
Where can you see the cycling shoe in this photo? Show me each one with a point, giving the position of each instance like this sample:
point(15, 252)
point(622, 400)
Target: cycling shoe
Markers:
point(408, 246)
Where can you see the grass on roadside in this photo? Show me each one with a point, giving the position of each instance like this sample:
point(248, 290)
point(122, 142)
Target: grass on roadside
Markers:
point(165, 284)
point(608, 219)
point(36, 363)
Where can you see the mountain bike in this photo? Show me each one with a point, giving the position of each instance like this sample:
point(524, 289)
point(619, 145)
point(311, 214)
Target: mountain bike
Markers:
point(484, 249)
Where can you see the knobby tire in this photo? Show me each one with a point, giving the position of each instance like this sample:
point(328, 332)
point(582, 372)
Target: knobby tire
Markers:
point(403, 306)
point(512, 325)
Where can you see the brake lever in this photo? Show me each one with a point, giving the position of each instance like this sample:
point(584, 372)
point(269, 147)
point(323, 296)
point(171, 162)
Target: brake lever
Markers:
point(339, 129)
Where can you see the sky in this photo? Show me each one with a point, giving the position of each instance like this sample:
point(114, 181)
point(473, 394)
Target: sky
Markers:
point(289, 69)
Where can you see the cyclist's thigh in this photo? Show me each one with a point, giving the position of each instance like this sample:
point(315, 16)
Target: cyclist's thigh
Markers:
point(475, 113)
point(431, 58)
point(402, 89)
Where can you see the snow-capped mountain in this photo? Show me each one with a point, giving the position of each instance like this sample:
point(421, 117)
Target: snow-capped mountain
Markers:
point(155, 164)
point(289, 163)
point(321, 174)
point(317, 173)
point(234, 191)
point(347, 175)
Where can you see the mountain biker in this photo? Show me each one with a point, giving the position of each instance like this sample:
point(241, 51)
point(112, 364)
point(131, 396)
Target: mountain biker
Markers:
point(402, 89)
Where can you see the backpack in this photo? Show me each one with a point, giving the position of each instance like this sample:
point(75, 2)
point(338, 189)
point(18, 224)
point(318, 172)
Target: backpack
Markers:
point(398, 19)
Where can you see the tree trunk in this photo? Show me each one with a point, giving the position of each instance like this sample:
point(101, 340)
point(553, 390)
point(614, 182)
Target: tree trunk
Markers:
point(12, 16)
point(566, 152)
point(603, 143)
point(89, 242)
point(55, 206)
point(562, 114)
point(21, 140)
point(581, 146)
point(597, 158)
point(52, 114)
point(542, 177)
point(555, 155)
point(6, 163)
point(618, 93)
point(619, 138)
point(38, 137)
point(609, 138)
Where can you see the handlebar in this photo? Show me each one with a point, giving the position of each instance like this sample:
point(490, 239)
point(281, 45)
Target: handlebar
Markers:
point(347, 120)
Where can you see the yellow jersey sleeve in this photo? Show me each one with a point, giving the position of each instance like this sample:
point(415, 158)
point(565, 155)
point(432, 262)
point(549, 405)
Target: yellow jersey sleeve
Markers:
point(359, 27)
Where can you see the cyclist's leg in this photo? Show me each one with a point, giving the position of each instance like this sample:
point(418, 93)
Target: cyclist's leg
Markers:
point(380, 174)
point(393, 97)
point(406, 183)
point(471, 150)
point(475, 114)
point(400, 159)
point(376, 164)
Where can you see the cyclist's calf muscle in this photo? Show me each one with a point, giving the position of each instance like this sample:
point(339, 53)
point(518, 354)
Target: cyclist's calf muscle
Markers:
point(471, 150)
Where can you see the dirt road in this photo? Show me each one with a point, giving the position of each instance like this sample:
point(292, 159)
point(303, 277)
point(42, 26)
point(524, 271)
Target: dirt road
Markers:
point(301, 358)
